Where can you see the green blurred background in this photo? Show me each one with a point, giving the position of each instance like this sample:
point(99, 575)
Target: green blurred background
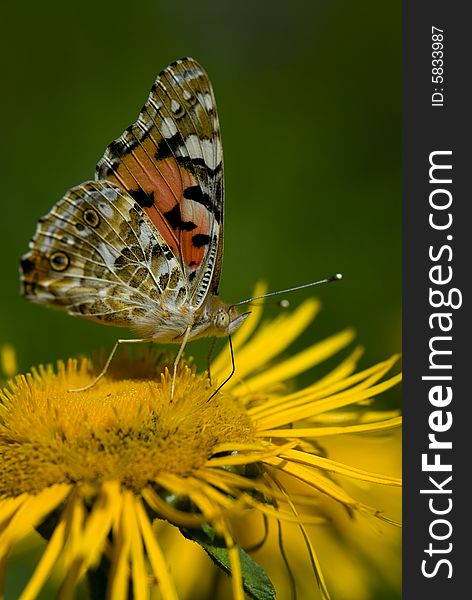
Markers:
point(309, 99)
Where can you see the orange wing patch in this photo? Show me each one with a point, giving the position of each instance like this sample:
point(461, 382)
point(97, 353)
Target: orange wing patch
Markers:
point(159, 188)
point(170, 161)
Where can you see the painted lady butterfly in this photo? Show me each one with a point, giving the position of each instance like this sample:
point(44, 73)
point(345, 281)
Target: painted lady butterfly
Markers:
point(141, 246)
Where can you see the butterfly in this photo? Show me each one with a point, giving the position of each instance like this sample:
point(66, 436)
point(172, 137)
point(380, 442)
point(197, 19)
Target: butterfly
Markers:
point(141, 246)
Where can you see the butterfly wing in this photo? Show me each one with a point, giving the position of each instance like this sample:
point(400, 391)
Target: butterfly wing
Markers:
point(97, 255)
point(170, 161)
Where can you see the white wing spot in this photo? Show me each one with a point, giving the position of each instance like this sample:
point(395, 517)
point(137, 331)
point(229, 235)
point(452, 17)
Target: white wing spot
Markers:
point(110, 194)
point(107, 254)
point(106, 210)
point(206, 100)
point(168, 128)
point(192, 142)
point(146, 238)
point(174, 106)
point(205, 149)
point(82, 231)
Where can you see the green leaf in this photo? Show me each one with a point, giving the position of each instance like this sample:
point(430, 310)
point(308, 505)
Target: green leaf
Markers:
point(256, 584)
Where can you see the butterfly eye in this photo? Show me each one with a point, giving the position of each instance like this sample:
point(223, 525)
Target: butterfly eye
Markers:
point(91, 217)
point(59, 261)
point(221, 319)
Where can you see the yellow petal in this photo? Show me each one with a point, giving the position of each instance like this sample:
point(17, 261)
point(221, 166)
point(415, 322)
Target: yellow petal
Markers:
point(155, 555)
point(317, 391)
point(313, 556)
point(314, 479)
point(45, 565)
point(296, 364)
point(8, 506)
point(8, 360)
point(236, 576)
point(290, 414)
point(119, 572)
point(315, 432)
point(138, 570)
point(342, 370)
point(271, 339)
point(33, 510)
point(170, 513)
point(106, 510)
point(220, 363)
point(258, 453)
point(74, 516)
point(330, 465)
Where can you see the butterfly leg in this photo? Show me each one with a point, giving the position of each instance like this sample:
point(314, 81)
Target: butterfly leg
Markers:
point(107, 364)
point(177, 360)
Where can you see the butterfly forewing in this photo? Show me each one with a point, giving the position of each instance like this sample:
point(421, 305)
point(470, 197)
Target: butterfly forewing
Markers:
point(170, 161)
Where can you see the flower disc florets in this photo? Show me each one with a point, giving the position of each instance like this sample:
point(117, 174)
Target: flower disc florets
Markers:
point(127, 430)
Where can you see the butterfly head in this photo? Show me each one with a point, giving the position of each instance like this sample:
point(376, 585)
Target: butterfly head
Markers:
point(217, 319)
point(226, 319)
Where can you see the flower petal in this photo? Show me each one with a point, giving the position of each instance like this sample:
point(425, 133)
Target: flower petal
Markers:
point(155, 555)
point(315, 480)
point(119, 573)
point(316, 432)
point(8, 506)
point(30, 513)
point(46, 563)
point(313, 556)
point(296, 364)
point(330, 465)
point(138, 572)
point(271, 339)
point(105, 511)
point(236, 575)
point(220, 363)
point(318, 392)
point(310, 409)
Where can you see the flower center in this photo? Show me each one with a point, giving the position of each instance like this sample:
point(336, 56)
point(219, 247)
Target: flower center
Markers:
point(127, 430)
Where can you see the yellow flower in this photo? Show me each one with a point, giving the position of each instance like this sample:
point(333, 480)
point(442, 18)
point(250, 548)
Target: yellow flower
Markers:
point(92, 471)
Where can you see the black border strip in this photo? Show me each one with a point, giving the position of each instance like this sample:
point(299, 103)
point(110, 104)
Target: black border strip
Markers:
point(442, 127)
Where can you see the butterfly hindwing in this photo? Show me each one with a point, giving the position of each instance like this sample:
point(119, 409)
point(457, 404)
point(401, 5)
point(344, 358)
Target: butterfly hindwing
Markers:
point(97, 255)
point(170, 162)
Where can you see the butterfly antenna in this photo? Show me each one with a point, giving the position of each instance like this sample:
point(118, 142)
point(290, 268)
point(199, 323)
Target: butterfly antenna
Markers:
point(336, 277)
